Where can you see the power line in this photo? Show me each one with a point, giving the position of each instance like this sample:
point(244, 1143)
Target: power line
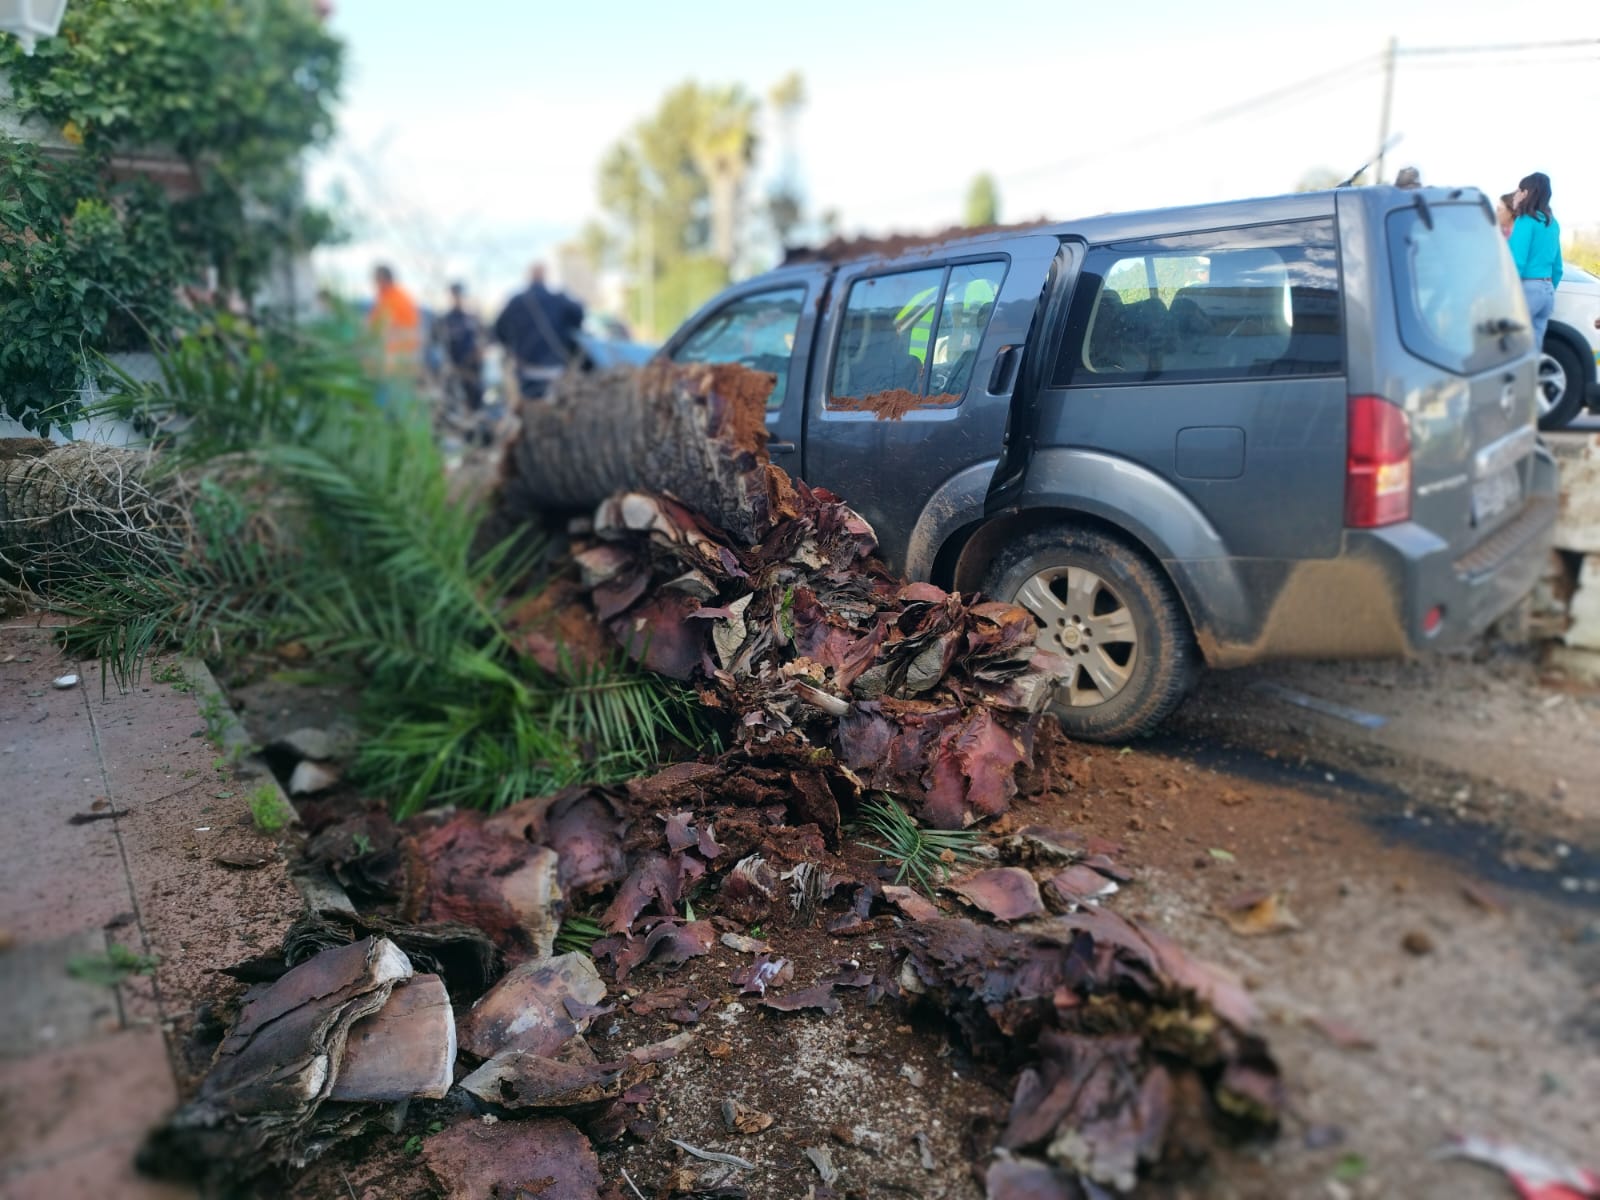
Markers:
point(1299, 90)
point(1478, 65)
point(1503, 47)
point(1302, 89)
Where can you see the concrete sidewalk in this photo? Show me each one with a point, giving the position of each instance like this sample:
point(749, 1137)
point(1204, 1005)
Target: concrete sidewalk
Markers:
point(116, 807)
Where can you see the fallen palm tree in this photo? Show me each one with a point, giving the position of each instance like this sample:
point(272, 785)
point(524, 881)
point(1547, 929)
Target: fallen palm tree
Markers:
point(489, 685)
point(765, 593)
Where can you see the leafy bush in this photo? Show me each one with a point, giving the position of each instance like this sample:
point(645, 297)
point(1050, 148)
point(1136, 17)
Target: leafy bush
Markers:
point(242, 84)
point(83, 267)
point(90, 263)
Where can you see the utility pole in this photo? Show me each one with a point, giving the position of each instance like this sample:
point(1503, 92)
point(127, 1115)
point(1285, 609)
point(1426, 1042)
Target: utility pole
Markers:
point(1388, 100)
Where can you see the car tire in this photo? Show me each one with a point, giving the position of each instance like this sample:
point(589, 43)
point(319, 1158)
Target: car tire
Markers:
point(1561, 383)
point(1081, 583)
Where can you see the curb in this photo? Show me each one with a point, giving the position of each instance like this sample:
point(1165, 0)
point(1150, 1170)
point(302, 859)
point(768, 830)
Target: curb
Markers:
point(318, 889)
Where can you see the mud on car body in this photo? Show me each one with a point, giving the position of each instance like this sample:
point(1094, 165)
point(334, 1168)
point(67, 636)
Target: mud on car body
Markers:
point(1301, 426)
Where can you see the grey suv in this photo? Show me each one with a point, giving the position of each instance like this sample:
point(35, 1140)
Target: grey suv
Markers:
point(1300, 426)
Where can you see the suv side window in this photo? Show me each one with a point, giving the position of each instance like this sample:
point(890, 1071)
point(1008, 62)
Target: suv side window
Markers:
point(1234, 304)
point(756, 331)
point(913, 334)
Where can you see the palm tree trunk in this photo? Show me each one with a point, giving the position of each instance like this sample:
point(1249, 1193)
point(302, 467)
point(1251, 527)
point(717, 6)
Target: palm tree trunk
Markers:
point(724, 187)
point(697, 432)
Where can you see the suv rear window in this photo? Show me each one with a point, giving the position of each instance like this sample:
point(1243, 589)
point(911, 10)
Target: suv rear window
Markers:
point(1456, 288)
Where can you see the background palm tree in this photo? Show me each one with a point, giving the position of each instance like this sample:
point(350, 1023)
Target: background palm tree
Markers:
point(723, 144)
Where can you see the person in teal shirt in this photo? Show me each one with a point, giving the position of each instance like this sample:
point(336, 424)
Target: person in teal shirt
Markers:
point(1535, 246)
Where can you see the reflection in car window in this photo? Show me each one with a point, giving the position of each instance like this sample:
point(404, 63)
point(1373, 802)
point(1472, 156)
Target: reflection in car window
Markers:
point(1231, 305)
point(912, 339)
point(1457, 288)
point(757, 331)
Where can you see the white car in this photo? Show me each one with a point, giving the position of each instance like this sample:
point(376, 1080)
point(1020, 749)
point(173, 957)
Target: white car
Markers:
point(1571, 362)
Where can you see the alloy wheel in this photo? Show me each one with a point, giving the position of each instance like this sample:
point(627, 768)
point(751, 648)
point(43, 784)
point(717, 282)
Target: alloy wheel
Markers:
point(1552, 384)
point(1083, 619)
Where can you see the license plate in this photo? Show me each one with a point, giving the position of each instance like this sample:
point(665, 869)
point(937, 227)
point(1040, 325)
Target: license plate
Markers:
point(1495, 494)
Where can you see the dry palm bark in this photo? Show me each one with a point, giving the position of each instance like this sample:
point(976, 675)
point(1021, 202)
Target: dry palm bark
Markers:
point(1117, 1035)
point(709, 565)
point(69, 509)
point(265, 1098)
point(66, 507)
point(1124, 1055)
point(697, 432)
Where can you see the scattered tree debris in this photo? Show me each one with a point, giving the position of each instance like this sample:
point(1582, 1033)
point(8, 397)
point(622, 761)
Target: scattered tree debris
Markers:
point(462, 956)
point(763, 592)
point(1417, 942)
point(568, 1078)
point(1079, 886)
point(310, 777)
point(260, 1103)
point(1005, 893)
point(822, 1159)
point(1257, 913)
point(104, 814)
point(819, 996)
point(404, 1051)
point(484, 874)
point(856, 705)
point(716, 1156)
point(242, 860)
point(737, 1118)
point(1116, 1027)
point(537, 1007)
point(547, 1157)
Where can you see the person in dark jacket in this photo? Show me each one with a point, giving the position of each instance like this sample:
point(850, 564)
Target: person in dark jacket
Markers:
point(540, 329)
point(461, 334)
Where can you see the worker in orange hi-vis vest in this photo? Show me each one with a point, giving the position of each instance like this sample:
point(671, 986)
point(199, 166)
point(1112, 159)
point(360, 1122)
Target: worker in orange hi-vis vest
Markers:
point(398, 323)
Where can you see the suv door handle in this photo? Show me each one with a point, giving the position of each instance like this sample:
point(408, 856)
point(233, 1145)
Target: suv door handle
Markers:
point(780, 447)
point(1004, 372)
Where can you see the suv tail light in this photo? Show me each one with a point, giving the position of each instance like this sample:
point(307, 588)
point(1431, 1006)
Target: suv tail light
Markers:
point(1377, 477)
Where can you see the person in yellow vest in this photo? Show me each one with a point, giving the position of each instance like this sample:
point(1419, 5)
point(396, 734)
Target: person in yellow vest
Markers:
point(397, 321)
point(915, 319)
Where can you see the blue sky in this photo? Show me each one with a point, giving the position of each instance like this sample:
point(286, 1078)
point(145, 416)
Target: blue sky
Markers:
point(471, 133)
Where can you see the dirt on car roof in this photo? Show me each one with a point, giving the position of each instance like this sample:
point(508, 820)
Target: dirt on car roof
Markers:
point(841, 249)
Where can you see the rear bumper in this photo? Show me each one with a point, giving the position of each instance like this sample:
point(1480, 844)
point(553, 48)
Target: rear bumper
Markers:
point(1471, 590)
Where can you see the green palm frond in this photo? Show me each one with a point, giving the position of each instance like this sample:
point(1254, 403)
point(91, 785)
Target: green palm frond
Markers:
point(578, 934)
point(372, 567)
point(236, 388)
point(924, 855)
